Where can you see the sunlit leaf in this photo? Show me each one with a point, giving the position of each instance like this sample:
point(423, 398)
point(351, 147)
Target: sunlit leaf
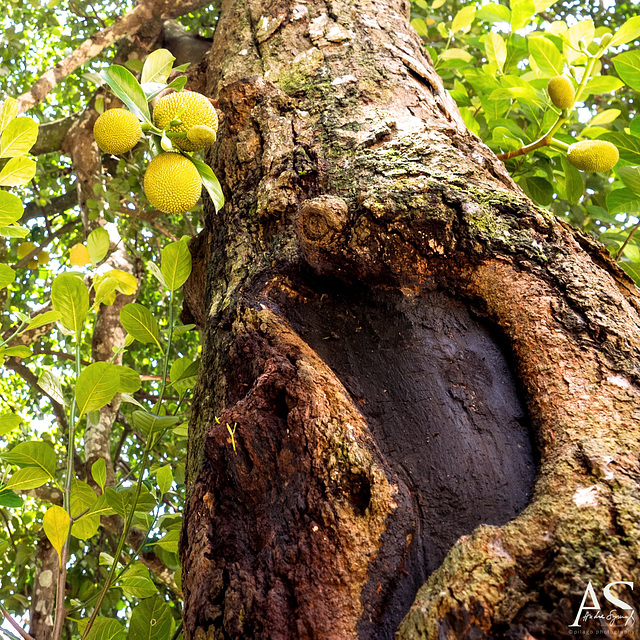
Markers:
point(9, 422)
point(629, 31)
point(18, 137)
point(157, 66)
point(127, 88)
point(70, 299)
point(99, 472)
point(623, 201)
point(79, 255)
point(33, 453)
point(627, 65)
point(106, 629)
point(28, 478)
point(8, 112)
point(140, 323)
point(98, 244)
point(56, 523)
point(210, 182)
point(176, 264)
point(96, 386)
point(17, 172)
point(151, 620)
point(129, 379)
point(7, 275)
point(11, 208)
point(546, 55)
point(137, 586)
point(50, 384)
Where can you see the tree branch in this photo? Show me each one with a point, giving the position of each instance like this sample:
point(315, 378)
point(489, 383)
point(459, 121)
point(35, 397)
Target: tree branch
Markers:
point(129, 24)
point(57, 205)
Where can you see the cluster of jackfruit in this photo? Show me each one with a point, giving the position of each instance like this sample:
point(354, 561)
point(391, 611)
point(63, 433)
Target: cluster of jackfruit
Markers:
point(171, 182)
point(586, 155)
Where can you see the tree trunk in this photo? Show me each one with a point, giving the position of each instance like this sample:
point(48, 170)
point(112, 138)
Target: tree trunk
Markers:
point(411, 375)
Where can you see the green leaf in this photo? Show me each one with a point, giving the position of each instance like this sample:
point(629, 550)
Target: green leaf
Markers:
point(184, 374)
point(463, 20)
point(145, 503)
point(17, 172)
point(83, 497)
point(20, 352)
point(70, 299)
point(106, 629)
point(604, 117)
point(34, 453)
point(129, 379)
point(28, 478)
point(574, 184)
point(151, 620)
point(150, 423)
point(116, 501)
point(183, 328)
point(546, 56)
point(176, 264)
point(96, 386)
point(211, 183)
point(50, 384)
point(627, 65)
point(601, 84)
point(127, 88)
point(623, 201)
point(139, 322)
point(494, 13)
point(18, 137)
point(629, 31)
point(496, 50)
point(56, 523)
point(41, 319)
point(538, 189)
point(9, 422)
point(101, 506)
point(164, 476)
point(99, 472)
point(98, 244)
point(169, 542)
point(455, 54)
point(521, 12)
point(630, 175)
point(157, 66)
point(10, 499)
point(137, 586)
point(14, 231)
point(156, 273)
point(583, 30)
point(632, 268)
point(152, 89)
point(628, 146)
point(10, 208)
point(8, 112)
point(7, 275)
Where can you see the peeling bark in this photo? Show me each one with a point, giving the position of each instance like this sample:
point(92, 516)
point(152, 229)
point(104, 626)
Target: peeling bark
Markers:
point(367, 234)
point(44, 591)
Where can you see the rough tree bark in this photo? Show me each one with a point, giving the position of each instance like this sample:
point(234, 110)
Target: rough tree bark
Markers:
point(435, 382)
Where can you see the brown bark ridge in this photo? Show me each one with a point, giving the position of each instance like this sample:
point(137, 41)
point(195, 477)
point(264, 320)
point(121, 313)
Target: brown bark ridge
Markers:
point(44, 590)
point(387, 319)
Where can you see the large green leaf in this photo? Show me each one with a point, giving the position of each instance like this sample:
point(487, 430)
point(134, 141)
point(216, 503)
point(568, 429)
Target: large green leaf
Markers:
point(34, 453)
point(176, 264)
point(628, 146)
point(70, 299)
point(150, 423)
point(630, 30)
point(28, 478)
point(602, 84)
point(574, 184)
point(83, 497)
point(9, 422)
point(106, 629)
point(50, 384)
point(139, 322)
point(127, 88)
point(210, 182)
point(630, 175)
point(546, 56)
point(521, 12)
point(623, 201)
point(7, 275)
point(164, 477)
point(157, 66)
point(538, 189)
point(496, 49)
point(494, 13)
point(627, 65)
point(98, 244)
point(18, 137)
point(151, 620)
point(463, 20)
point(96, 386)
point(17, 172)
point(10, 208)
point(10, 499)
point(8, 112)
point(129, 379)
point(137, 586)
point(43, 318)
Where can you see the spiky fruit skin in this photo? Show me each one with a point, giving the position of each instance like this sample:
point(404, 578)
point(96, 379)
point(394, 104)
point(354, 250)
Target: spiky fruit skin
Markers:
point(197, 111)
point(561, 92)
point(593, 155)
point(201, 136)
point(117, 131)
point(172, 183)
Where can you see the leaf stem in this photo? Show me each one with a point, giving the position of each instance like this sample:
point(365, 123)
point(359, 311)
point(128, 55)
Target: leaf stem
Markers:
point(11, 620)
point(145, 458)
point(64, 556)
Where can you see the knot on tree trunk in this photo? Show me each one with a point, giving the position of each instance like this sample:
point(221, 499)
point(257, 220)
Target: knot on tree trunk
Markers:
point(320, 224)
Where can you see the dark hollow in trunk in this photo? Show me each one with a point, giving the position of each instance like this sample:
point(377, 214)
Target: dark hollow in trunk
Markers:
point(441, 402)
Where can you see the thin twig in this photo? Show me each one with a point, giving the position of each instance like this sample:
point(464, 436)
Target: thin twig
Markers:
point(627, 241)
point(15, 625)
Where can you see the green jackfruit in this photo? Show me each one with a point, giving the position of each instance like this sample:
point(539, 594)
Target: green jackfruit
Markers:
point(201, 136)
point(189, 109)
point(561, 92)
point(172, 183)
point(593, 155)
point(117, 131)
